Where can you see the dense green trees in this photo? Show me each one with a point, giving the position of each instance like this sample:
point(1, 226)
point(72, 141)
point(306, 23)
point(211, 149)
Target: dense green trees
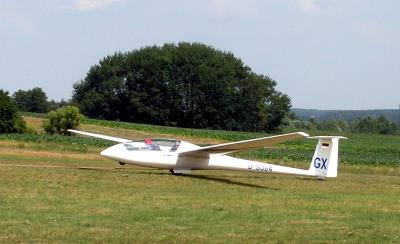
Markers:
point(10, 120)
point(34, 100)
point(186, 85)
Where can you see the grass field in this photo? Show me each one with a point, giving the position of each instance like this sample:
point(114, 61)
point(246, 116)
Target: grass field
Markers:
point(58, 190)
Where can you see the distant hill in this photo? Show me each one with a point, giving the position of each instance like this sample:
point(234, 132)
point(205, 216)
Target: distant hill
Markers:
point(348, 115)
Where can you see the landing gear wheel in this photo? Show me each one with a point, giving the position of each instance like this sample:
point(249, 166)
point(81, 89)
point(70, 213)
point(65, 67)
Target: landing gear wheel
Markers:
point(173, 173)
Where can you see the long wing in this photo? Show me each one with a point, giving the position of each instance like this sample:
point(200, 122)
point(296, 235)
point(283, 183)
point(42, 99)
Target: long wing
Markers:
point(240, 146)
point(104, 137)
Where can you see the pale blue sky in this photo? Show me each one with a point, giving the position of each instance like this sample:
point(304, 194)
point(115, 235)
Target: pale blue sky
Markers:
point(325, 54)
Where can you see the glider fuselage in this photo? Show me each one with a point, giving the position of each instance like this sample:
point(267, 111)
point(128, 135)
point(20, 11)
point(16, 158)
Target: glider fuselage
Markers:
point(164, 158)
point(182, 157)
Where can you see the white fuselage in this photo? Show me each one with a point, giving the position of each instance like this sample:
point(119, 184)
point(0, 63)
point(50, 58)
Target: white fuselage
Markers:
point(182, 157)
point(165, 159)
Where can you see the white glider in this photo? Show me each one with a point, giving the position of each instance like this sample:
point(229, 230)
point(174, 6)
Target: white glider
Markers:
point(182, 157)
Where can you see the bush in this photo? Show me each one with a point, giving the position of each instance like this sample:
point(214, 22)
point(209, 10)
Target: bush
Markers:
point(10, 120)
point(62, 119)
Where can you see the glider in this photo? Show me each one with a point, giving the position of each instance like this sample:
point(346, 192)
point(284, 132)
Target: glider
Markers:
point(180, 157)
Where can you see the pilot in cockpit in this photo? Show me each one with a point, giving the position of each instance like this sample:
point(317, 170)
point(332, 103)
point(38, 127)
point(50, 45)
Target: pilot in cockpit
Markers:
point(151, 146)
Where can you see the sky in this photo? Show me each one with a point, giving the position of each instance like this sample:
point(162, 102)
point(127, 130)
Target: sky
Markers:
point(324, 54)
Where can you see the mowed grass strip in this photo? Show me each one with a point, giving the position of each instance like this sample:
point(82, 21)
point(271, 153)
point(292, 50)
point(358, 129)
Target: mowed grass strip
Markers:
point(132, 204)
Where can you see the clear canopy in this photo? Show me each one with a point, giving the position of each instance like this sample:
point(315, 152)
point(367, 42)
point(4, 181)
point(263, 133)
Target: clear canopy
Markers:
point(153, 145)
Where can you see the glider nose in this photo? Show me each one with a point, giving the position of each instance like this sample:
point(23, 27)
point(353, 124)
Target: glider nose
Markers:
point(111, 152)
point(106, 153)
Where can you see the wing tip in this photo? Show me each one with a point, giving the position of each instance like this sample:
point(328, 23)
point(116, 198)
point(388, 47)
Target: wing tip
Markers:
point(100, 136)
point(303, 134)
point(327, 137)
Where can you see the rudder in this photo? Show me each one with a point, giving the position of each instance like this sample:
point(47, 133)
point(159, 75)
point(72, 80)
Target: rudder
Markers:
point(325, 160)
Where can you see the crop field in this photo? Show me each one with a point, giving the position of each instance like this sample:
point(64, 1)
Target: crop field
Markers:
point(58, 189)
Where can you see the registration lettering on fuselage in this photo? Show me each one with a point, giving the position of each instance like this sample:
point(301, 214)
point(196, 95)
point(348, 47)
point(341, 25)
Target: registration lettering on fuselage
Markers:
point(320, 163)
point(260, 167)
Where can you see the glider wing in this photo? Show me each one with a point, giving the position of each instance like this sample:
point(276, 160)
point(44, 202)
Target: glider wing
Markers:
point(104, 137)
point(239, 146)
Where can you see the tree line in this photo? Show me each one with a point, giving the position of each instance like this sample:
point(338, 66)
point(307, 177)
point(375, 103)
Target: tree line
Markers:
point(35, 100)
point(392, 115)
point(11, 121)
point(59, 120)
point(373, 125)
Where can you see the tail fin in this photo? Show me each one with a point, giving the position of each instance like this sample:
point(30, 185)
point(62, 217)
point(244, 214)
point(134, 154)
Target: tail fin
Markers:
point(325, 160)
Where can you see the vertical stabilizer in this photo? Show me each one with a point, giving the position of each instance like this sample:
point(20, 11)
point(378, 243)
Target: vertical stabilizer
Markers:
point(325, 160)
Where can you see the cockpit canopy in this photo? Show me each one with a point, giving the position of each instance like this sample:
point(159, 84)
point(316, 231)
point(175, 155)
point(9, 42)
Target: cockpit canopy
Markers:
point(149, 144)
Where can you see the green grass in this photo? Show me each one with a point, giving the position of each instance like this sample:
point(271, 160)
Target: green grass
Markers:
point(46, 197)
point(133, 204)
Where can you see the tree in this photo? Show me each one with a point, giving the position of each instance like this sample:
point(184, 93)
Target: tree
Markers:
point(373, 125)
point(34, 100)
point(185, 85)
point(385, 126)
point(333, 125)
point(62, 119)
point(53, 105)
point(10, 120)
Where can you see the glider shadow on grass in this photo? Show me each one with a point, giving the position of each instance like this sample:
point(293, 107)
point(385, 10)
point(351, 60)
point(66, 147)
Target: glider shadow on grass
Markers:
point(227, 181)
